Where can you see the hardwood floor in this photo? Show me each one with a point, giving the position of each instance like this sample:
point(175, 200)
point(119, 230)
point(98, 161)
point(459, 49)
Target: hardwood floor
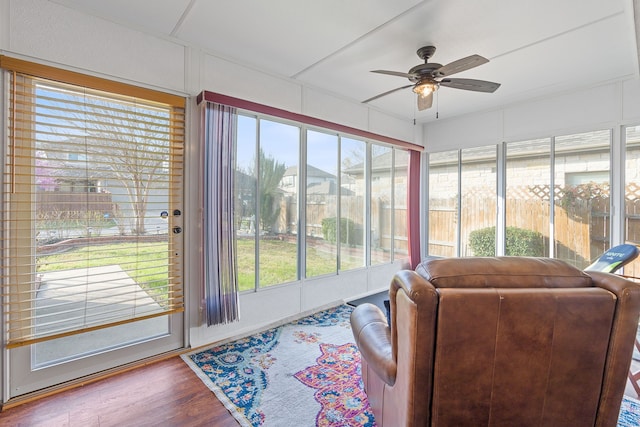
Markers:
point(165, 393)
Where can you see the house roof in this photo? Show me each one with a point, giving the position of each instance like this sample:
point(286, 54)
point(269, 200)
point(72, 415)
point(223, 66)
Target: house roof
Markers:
point(312, 171)
point(327, 188)
point(379, 163)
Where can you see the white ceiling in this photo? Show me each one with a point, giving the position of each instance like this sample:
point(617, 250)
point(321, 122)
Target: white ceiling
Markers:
point(535, 48)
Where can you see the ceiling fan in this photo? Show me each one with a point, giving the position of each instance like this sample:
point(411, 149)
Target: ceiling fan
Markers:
point(428, 77)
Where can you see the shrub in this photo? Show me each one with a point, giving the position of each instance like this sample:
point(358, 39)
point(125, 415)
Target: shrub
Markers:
point(350, 232)
point(483, 241)
point(520, 242)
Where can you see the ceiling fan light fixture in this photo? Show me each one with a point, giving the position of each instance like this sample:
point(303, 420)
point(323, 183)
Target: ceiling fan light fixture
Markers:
point(425, 88)
point(428, 77)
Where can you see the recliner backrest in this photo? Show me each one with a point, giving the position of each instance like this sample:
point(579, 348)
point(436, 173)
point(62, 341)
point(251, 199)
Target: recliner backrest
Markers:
point(520, 354)
point(522, 337)
point(502, 272)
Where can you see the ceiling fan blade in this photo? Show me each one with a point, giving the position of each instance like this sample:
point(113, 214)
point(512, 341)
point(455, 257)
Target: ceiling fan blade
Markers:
point(425, 101)
point(460, 65)
point(386, 93)
point(394, 73)
point(471, 84)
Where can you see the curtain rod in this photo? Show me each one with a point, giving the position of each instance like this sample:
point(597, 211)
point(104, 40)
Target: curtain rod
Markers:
point(284, 114)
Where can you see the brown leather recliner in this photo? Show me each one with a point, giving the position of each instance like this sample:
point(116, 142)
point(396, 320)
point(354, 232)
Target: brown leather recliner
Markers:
point(503, 341)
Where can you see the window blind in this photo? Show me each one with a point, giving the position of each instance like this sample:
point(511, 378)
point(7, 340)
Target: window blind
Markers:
point(92, 192)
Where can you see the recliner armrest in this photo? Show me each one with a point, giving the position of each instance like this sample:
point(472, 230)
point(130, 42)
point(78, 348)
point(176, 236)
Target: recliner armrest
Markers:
point(622, 341)
point(373, 338)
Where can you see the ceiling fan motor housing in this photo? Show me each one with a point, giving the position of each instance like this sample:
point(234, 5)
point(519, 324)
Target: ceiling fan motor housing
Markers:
point(422, 71)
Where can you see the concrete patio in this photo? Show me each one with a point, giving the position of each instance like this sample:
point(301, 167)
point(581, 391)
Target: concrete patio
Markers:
point(86, 297)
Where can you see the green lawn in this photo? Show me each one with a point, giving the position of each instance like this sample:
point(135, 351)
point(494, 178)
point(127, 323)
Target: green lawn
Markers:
point(278, 262)
point(146, 263)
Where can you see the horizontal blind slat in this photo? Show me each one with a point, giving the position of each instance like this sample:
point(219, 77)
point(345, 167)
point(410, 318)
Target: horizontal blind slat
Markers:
point(86, 169)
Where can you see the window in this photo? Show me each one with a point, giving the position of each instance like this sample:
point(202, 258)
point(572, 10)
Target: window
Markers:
point(246, 214)
point(352, 203)
point(528, 195)
point(478, 201)
point(313, 198)
point(632, 194)
point(443, 203)
point(581, 197)
point(331, 186)
point(324, 227)
point(400, 227)
point(89, 202)
point(381, 203)
point(267, 194)
point(570, 170)
point(279, 153)
point(462, 202)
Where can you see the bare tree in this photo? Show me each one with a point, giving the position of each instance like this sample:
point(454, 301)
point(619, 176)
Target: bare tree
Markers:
point(126, 142)
point(137, 153)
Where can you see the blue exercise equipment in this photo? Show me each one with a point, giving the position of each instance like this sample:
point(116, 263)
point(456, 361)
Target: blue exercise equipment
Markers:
point(615, 258)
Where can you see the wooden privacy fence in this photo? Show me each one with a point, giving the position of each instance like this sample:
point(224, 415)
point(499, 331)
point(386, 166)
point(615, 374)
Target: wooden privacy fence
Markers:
point(320, 207)
point(383, 236)
point(59, 203)
point(632, 225)
point(581, 222)
point(443, 217)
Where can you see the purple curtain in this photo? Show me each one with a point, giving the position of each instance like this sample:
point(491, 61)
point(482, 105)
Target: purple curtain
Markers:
point(220, 267)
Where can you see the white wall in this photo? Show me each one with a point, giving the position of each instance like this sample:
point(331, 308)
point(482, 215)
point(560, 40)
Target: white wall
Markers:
point(602, 107)
point(41, 31)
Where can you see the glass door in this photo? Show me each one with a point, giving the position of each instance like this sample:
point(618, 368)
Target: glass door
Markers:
point(92, 192)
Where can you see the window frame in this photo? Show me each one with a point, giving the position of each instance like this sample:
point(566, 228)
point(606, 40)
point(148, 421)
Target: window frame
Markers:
point(554, 153)
point(306, 123)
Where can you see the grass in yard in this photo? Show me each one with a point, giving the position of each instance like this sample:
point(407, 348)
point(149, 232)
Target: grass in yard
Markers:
point(146, 263)
point(278, 262)
point(246, 271)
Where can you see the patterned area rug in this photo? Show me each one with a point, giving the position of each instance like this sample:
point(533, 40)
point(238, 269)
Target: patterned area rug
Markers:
point(302, 374)
point(629, 413)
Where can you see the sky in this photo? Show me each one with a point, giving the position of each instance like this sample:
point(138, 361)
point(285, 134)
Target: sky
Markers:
point(281, 141)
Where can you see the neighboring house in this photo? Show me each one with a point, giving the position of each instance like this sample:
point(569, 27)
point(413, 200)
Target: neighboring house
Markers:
point(66, 171)
point(381, 168)
point(578, 159)
point(290, 180)
point(327, 188)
